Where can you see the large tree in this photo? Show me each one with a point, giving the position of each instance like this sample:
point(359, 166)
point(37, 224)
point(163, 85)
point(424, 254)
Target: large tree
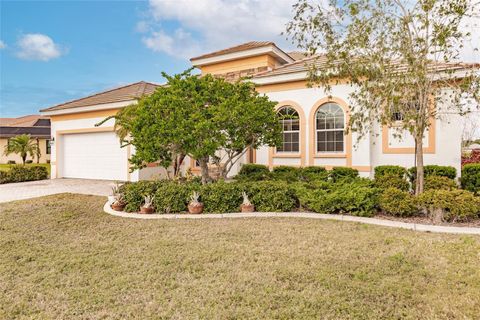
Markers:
point(22, 145)
point(401, 57)
point(203, 117)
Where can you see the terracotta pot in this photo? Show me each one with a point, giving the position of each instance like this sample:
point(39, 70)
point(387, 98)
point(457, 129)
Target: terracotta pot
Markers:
point(195, 209)
point(247, 208)
point(118, 206)
point(147, 210)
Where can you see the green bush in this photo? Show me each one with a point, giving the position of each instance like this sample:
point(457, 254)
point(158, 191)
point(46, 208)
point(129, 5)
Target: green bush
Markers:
point(340, 173)
point(271, 196)
point(439, 182)
point(253, 172)
point(433, 170)
point(397, 202)
point(356, 198)
point(134, 193)
point(20, 173)
point(173, 196)
point(222, 197)
point(471, 177)
point(286, 173)
point(313, 173)
point(456, 205)
point(397, 171)
point(391, 180)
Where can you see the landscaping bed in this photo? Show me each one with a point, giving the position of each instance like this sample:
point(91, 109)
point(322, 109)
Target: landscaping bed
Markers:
point(27, 172)
point(314, 189)
point(64, 258)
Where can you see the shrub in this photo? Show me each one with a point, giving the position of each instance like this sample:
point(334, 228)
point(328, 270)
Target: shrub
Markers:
point(271, 195)
point(454, 205)
point(11, 162)
point(473, 157)
point(390, 180)
point(434, 170)
point(439, 182)
point(471, 177)
point(355, 198)
point(286, 173)
point(253, 172)
point(28, 161)
point(339, 173)
point(134, 193)
point(313, 173)
point(222, 197)
point(173, 196)
point(397, 202)
point(397, 171)
point(20, 173)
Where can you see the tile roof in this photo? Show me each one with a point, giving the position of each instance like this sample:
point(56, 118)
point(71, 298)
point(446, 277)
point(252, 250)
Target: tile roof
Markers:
point(242, 47)
point(303, 65)
point(25, 121)
point(120, 94)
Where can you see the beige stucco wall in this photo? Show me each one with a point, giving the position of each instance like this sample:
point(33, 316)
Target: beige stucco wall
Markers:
point(43, 150)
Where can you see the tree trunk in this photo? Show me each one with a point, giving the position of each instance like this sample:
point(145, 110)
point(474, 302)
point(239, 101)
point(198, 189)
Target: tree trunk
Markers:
point(204, 169)
point(38, 151)
point(419, 180)
point(24, 157)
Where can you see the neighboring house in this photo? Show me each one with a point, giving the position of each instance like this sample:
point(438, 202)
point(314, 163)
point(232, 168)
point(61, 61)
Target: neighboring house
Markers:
point(316, 138)
point(38, 127)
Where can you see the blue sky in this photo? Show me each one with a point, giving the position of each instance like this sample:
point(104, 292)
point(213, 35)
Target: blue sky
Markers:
point(55, 51)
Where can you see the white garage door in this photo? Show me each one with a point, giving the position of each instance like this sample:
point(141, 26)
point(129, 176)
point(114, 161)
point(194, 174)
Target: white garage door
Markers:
point(93, 156)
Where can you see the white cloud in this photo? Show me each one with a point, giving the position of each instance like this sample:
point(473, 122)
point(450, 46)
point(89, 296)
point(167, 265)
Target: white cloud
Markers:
point(2, 45)
point(214, 24)
point(36, 46)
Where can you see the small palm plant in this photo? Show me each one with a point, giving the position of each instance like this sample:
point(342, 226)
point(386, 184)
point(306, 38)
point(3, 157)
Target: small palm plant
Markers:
point(147, 206)
point(22, 145)
point(246, 205)
point(195, 206)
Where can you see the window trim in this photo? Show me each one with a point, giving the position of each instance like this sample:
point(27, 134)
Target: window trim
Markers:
point(316, 131)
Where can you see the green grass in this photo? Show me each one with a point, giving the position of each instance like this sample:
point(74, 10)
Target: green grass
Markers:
point(61, 257)
point(6, 167)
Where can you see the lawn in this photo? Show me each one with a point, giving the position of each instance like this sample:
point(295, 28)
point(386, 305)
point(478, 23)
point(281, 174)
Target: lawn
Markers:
point(6, 167)
point(63, 258)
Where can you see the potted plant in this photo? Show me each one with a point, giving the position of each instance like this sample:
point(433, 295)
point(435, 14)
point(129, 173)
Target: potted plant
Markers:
point(195, 206)
point(115, 192)
point(246, 205)
point(147, 206)
point(119, 202)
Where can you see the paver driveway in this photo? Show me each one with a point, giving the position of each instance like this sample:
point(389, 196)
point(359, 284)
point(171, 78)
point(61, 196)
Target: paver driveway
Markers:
point(32, 189)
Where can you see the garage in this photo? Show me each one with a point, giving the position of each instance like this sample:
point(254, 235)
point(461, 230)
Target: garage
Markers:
point(94, 155)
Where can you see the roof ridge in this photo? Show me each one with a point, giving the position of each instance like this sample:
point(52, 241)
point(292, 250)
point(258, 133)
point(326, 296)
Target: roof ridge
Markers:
point(256, 43)
point(97, 94)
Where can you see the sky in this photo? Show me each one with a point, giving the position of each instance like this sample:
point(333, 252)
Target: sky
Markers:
point(55, 51)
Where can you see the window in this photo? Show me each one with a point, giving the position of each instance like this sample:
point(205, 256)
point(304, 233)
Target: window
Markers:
point(290, 122)
point(330, 128)
point(48, 147)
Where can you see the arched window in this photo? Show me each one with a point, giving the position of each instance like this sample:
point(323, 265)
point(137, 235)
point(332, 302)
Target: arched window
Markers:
point(290, 122)
point(330, 128)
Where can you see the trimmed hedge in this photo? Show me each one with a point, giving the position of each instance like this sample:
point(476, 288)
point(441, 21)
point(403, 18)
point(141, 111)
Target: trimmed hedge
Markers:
point(397, 171)
point(398, 203)
point(434, 170)
point(314, 173)
point(389, 180)
point(286, 173)
point(253, 172)
point(173, 197)
point(455, 205)
point(471, 177)
point(20, 173)
point(340, 173)
point(439, 183)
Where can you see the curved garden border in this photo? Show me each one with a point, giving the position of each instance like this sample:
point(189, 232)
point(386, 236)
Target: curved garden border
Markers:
point(309, 215)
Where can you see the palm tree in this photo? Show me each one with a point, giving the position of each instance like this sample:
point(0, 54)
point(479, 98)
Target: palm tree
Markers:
point(23, 146)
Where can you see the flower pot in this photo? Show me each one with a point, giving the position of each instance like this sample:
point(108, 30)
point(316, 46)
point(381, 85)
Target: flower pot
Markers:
point(118, 206)
point(147, 210)
point(247, 208)
point(111, 199)
point(195, 209)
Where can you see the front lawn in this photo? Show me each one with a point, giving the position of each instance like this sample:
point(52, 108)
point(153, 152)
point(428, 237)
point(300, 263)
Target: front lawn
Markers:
point(62, 257)
point(6, 167)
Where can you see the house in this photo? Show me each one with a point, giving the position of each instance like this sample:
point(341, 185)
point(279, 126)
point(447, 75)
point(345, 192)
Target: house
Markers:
point(315, 136)
point(38, 127)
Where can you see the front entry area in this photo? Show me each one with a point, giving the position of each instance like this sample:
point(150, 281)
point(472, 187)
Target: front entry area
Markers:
point(92, 155)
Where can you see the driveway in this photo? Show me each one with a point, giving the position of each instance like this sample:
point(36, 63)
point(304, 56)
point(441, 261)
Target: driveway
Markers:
point(32, 189)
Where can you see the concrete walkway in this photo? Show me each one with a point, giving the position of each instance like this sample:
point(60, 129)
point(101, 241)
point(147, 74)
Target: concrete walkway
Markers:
point(33, 189)
point(309, 215)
